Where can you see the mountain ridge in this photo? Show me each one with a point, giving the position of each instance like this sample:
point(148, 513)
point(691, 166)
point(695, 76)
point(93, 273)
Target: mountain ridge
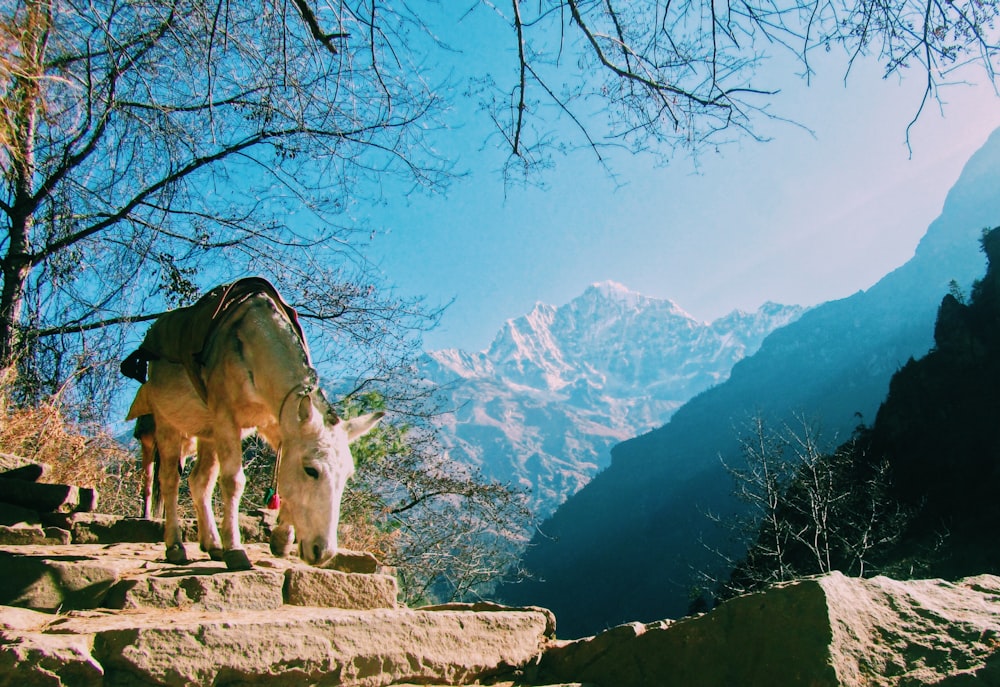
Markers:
point(542, 406)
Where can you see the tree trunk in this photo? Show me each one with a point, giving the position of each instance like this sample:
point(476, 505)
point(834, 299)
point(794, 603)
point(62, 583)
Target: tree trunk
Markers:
point(26, 102)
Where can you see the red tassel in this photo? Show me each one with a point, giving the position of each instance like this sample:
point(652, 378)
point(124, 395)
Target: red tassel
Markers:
point(274, 503)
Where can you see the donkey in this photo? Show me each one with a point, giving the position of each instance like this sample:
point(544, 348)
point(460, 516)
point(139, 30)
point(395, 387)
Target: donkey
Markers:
point(253, 372)
point(152, 505)
point(145, 433)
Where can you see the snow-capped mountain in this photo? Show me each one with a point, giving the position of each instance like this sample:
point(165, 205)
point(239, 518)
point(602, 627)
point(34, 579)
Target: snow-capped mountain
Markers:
point(559, 386)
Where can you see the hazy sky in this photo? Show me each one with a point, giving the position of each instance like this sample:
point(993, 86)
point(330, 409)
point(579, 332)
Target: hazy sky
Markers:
point(806, 217)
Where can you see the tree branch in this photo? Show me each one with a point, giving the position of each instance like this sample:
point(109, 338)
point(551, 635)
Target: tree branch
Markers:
point(309, 17)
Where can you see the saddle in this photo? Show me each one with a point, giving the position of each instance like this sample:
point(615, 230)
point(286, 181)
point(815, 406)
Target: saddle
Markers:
point(181, 336)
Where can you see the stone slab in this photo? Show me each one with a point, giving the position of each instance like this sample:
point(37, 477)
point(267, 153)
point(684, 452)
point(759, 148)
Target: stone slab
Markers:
point(212, 590)
point(54, 583)
point(48, 660)
point(9, 461)
point(59, 498)
point(25, 535)
point(353, 562)
point(104, 528)
point(88, 500)
point(136, 575)
point(31, 472)
point(287, 646)
point(23, 619)
point(16, 515)
point(335, 589)
point(485, 606)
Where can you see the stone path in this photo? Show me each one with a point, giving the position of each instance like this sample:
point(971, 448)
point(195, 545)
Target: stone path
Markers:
point(118, 614)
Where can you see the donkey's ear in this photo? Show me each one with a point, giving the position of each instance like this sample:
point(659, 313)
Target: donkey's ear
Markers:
point(306, 409)
point(359, 426)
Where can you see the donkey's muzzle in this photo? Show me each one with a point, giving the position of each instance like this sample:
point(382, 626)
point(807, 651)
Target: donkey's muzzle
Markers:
point(316, 551)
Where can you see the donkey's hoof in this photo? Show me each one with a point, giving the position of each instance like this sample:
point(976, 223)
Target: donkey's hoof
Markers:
point(216, 554)
point(236, 559)
point(176, 554)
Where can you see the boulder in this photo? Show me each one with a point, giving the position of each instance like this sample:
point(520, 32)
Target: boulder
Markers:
point(827, 631)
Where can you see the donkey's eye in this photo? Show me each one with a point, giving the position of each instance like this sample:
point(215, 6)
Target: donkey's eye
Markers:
point(311, 472)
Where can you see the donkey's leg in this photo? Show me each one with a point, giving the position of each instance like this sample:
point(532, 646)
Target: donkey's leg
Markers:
point(148, 456)
point(282, 537)
point(170, 445)
point(231, 484)
point(202, 481)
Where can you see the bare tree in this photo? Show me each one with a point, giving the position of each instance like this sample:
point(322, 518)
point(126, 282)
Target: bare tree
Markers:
point(668, 74)
point(813, 509)
point(449, 532)
point(155, 148)
point(760, 481)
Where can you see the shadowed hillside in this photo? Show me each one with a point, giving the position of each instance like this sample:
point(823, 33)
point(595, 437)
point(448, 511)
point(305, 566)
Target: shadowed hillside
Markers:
point(915, 494)
point(630, 544)
point(940, 430)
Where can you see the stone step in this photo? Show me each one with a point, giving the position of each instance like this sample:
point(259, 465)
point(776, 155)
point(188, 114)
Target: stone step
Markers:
point(55, 498)
point(102, 528)
point(289, 645)
point(29, 472)
point(135, 575)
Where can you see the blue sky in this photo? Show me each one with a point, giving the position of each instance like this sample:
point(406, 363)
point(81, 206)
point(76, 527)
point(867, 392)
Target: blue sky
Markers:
point(808, 216)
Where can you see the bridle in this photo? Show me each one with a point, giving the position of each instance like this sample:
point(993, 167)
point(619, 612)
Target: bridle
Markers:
point(304, 388)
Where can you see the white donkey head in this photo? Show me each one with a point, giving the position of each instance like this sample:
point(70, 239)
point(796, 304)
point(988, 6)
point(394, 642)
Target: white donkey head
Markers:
point(316, 463)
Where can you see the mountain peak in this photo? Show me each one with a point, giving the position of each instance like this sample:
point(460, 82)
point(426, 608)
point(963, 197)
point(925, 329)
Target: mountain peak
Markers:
point(612, 288)
point(616, 293)
point(560, 385)
point(612, 292)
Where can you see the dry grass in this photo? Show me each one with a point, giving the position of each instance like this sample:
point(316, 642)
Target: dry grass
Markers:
point(359, 530)
point(78, 455)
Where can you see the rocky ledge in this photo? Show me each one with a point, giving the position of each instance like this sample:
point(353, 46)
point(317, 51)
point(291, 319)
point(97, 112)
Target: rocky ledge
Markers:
point(828, 631)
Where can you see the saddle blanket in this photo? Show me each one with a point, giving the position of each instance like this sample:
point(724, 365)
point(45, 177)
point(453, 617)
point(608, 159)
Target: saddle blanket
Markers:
point(180, 335)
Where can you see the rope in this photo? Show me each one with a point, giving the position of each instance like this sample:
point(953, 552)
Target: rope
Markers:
point(307, 387)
